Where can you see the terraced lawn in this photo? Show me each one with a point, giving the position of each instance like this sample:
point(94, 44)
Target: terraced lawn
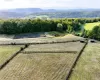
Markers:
point(6, 52)
point(88, 66)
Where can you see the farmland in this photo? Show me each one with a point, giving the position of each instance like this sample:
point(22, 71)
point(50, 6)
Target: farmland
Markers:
point(68, 37)
point(90, 26)
point(7, 51)
point(50, 49)
point(42, 66)
point(88, 66)
point(51, 61)
point(70, 46)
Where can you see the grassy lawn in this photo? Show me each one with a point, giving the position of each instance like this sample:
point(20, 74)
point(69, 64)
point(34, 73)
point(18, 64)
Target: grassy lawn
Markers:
point(6, 52)
point(88, 66)
point(90, 26)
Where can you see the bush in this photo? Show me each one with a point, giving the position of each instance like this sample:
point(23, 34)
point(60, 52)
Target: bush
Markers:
point(59, 27)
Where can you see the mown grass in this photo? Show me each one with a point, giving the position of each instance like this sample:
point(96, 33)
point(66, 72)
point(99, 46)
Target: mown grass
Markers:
point(88, 66)
point(6, 52)
point(90, 26)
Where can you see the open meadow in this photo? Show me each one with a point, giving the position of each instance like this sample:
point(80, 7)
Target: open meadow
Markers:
point(90, 26)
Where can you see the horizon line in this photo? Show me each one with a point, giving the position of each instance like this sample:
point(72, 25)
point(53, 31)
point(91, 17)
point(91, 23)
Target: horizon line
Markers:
point(51, 8)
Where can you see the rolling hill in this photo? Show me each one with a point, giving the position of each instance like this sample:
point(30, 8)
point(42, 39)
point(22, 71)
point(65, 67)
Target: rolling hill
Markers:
point(52, 13)
point(21, 12)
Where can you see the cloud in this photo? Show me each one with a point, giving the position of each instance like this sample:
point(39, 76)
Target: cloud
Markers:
point(8, 0)
point(50, 3)
point(34, 3)
point(4, 4)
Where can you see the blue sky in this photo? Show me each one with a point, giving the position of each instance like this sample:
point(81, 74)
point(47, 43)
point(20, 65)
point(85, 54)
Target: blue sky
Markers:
point(54, 4)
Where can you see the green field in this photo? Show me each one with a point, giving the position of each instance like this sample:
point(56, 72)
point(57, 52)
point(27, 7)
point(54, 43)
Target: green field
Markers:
point(6, 52)
point(88, 66)
point(90, 26)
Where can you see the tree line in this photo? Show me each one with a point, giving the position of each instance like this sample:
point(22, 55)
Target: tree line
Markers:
point(17, 26)
point(93, 34)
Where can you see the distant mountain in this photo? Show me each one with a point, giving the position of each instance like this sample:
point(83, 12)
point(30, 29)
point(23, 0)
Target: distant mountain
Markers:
point(52, 13)
point(7, 15)
point(68, 14)
point(21, 12)
point(25, 10)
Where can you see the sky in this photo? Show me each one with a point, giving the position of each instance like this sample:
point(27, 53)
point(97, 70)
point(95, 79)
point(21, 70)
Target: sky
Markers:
point(50, 4)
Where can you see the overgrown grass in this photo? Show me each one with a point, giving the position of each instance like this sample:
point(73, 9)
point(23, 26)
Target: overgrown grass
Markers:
point(7, 51)
point(90, 26)
point(88, 66)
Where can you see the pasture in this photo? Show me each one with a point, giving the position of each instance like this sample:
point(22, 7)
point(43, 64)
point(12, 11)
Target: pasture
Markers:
point(88, 66)
point(90, 26)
